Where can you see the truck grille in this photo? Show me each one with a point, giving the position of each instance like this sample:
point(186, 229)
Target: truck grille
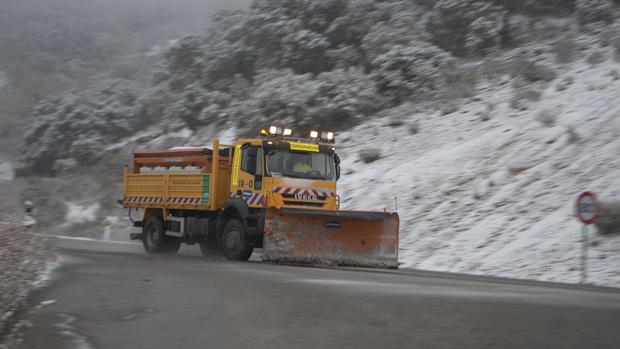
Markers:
point(303, 203)
point(295, 197)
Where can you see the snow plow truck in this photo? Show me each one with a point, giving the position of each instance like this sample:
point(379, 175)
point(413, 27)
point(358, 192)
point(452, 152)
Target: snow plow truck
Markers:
point(276, 192)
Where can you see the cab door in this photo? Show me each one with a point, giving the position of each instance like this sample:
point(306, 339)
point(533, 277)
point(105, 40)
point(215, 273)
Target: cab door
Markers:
point(249, 170)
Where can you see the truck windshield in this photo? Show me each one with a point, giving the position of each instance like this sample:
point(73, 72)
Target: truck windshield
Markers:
point(285, 163)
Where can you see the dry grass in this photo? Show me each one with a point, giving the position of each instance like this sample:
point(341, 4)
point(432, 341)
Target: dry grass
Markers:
point(23, 256)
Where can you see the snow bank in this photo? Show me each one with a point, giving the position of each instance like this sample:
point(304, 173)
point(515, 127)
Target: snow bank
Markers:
point(77, 213)
point(495, 197)
point(6, 168)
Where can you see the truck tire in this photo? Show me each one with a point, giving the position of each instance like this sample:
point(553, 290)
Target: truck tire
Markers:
point(155, 240)
point(234, 242)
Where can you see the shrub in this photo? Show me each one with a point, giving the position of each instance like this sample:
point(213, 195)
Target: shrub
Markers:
point(565, 83)
point(546, 117)
point(609, 221)
point(596, 58)
point(460, 80)
point(534, 72)
point(406, 72)
point(522, 95)
point(485, 33)
point(573, 136)
point(566, 50)
point(414, 127)
point(464, 27)
point(395, 121)
point(589, 11)
point(485, 115)
point(369, 155)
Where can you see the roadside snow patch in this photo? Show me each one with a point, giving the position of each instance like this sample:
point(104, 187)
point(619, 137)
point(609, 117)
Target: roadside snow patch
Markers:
point(110, 221)
point(77, 213)
point(6, 168)
point(47, 274)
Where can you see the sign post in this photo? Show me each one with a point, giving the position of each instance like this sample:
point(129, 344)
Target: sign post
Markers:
point(587, 210)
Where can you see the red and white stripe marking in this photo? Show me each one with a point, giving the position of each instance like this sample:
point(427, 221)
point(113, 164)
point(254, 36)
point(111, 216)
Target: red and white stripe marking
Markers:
point(183, 200)
point(143, 200)
point(302, 191)
point(255, 199)
point(159, 200)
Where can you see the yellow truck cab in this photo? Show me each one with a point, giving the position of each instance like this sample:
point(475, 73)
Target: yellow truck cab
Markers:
point(276, 192)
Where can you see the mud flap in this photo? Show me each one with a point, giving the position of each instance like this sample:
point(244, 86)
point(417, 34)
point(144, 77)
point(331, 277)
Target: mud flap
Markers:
point(332, 238)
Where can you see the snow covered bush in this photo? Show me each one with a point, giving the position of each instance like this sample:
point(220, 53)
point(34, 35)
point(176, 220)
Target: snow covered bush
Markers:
point(338, 98)
point(409, 72)
point(533, 72)
point(369, 155)
point(484, 33)
point(589, 11)
point(80, 126)
point(566, 50)
point(463, 26)
point(609, 221)
point(414, 127)
point(547, 118)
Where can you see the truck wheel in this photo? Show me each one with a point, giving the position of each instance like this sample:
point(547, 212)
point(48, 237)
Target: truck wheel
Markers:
point(155, 240)
point(234, 242)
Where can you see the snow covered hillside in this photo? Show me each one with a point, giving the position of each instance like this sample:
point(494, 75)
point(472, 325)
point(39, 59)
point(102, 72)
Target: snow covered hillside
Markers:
point(496, 197)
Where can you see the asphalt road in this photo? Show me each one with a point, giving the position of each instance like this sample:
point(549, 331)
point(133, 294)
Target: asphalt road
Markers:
point(115, 296)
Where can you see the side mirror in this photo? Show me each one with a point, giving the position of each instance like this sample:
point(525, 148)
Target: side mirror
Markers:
point(337, 162)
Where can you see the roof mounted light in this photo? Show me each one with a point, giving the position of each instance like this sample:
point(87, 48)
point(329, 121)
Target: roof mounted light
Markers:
point(327, 136)
point(287, 132)
point(314, 134)
point(275, 130)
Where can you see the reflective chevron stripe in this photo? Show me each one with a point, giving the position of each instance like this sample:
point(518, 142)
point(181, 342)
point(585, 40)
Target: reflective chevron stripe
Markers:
point(254, 199)
point(143, 200)
point(302, 191)
point(158, 200)
point(177, 200)
point(257, 199)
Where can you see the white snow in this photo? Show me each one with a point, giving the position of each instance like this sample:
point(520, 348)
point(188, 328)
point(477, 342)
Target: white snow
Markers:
point(6, 170)
point(496, 197)
point(77, 213)
point(4, 79)
point(110, 223)
point(67, 329)
point(158, 49)
point(47, 275)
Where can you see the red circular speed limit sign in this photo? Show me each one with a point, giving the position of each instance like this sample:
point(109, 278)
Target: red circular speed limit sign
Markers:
point(587, 207)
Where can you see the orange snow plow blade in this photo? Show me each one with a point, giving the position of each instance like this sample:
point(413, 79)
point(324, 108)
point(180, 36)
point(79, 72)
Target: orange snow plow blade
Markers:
point(332, 238)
